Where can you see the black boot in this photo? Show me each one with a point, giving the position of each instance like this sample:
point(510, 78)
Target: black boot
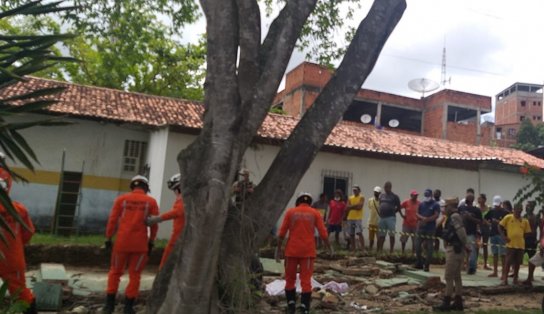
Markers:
point(110, 304)
point(32, 308)
point(457, 304)
point(291, 296)
point(305, 299)
point(129, 306)
point(445, 306)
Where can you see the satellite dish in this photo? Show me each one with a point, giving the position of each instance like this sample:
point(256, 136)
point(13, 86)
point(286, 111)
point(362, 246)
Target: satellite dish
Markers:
point(366, 118)
point(423, 85)
point(394, 123)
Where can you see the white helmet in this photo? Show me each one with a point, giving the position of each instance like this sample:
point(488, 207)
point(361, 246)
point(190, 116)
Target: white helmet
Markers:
point(174, 181)
point(139, 181)
point(304, 197)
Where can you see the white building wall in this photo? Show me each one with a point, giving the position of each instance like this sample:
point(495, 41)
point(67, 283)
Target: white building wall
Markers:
point(97, 144)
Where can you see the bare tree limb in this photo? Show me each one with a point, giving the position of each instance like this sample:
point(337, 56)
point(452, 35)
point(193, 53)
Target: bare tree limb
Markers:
point(250, 43)
point(301, 147)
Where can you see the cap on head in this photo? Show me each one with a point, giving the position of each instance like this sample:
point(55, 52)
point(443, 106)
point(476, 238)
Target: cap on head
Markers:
point(377, 189)
point(413, 192)
point(304, 197)
point(356, 187)
point(139, 181)
point(174, 182)
point(428, 193)
point(497, 200)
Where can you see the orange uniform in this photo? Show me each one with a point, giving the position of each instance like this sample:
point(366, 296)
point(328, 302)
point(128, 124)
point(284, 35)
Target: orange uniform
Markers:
point(177, 213)
point(12, 269)
point(128, 216)
point(301, 222)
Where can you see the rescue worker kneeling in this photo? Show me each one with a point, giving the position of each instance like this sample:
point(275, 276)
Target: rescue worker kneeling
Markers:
point(132, 245)
point(300, 221)
point(455, 240)
point(12, 268)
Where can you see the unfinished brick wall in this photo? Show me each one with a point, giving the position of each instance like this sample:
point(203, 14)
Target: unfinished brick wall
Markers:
point(432, 121)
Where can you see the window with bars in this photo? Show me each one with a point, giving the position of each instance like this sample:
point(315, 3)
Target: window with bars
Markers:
point(133, 155)
point(333, 180)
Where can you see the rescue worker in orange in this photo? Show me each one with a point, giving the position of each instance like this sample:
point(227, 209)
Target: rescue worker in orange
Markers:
point(177, 213)
point(12, 267)
point(300, 221)
point(132, 245)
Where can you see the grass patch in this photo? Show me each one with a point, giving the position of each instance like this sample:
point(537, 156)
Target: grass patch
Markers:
point(94, 240)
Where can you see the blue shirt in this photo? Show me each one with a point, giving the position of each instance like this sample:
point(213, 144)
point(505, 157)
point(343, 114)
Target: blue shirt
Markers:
point(428, 209)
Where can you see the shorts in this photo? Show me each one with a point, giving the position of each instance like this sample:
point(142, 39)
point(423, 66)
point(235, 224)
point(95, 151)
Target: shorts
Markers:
point(497, 245)
point(334, 228)
point(407, 229)
point(515, 256)
point(485, 232)
point(530, 246)
point(354, 227)
point(387, 225)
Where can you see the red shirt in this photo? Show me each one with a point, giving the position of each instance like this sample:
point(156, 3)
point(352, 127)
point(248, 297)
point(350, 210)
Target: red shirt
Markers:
point(410, 210)
point(301, 222)
point(128, 216)
point(336, 212)
point(14, 252)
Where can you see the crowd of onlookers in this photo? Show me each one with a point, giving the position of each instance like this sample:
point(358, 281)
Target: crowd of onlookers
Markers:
point(498, 228)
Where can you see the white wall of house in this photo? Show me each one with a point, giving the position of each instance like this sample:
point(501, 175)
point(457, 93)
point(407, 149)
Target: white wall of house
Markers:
point(99, 145)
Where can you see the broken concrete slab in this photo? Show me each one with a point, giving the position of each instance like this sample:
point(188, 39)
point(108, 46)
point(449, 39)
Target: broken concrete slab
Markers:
point(384, 273)
point(372, 289)
point(392, 282)
point(48, 296)
point(422, 276)
point(386, 265)
point(271, 267)
point(361, 261)
point(52, 273)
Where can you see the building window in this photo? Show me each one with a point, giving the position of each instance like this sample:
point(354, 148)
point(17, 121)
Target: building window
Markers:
point(534, 103)
point(333, 180)
point(133, 156)
point(521, 118)
point(511, 132)
point(523, 103)
point(539, 103)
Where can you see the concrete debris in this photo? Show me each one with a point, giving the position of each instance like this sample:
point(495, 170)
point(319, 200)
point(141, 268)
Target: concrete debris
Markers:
point(384, 273)
point(357, 306)
point(52, 273)
point(372, 289)
point(330, 301)
point(80, 309)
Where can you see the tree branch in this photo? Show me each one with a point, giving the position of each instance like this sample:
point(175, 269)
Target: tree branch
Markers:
point(250, 42)
point(275, 53)
point(301, 147)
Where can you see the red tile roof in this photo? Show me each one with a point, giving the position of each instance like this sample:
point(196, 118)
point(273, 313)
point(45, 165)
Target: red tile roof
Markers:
point(115, 105)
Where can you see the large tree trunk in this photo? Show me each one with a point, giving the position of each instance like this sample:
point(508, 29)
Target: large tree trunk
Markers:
point(237, 100)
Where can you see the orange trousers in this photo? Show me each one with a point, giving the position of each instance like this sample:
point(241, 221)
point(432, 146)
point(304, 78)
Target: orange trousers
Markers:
point(167, 250)
point(306, 265)
point(17, 285)
point(135, 262)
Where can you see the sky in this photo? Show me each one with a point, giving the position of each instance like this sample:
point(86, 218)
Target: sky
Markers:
point(490, 44)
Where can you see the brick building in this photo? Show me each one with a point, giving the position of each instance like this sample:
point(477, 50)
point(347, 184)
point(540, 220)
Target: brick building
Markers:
point(516, 103)
point(446, 114)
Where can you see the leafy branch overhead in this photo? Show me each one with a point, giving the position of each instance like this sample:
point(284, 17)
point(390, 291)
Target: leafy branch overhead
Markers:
point(22, 55)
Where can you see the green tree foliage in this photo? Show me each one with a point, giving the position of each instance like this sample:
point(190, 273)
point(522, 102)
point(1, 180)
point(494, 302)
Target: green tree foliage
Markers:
point(534, 189)
point(128, 45)
point(530, 136)
point(21, 55)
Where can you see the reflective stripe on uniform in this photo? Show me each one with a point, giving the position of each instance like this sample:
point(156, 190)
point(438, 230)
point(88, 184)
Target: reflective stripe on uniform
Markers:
point(140, 259)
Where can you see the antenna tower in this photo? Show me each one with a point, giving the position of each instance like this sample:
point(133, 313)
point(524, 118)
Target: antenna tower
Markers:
point(443, 79)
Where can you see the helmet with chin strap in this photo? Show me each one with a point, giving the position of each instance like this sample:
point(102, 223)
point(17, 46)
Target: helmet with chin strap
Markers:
point(139, 181)
point(304, 197)
point(174, 182)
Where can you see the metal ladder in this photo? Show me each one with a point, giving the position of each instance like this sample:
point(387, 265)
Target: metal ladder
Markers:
point(68, 203)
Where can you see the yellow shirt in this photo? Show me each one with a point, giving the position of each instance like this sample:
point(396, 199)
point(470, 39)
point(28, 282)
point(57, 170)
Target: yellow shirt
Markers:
point(515, 231)
point(373, 207)
point(356, 214)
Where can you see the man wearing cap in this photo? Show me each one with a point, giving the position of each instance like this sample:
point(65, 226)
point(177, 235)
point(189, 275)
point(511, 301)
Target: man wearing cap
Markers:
point(498, 249)
point(455, 239)
point(472, 218)
point(409, 225)
point(300, 222)
point(427, 214)
point(374, 208)
point(242, 188)
point(389, 206)
point(354, 217)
